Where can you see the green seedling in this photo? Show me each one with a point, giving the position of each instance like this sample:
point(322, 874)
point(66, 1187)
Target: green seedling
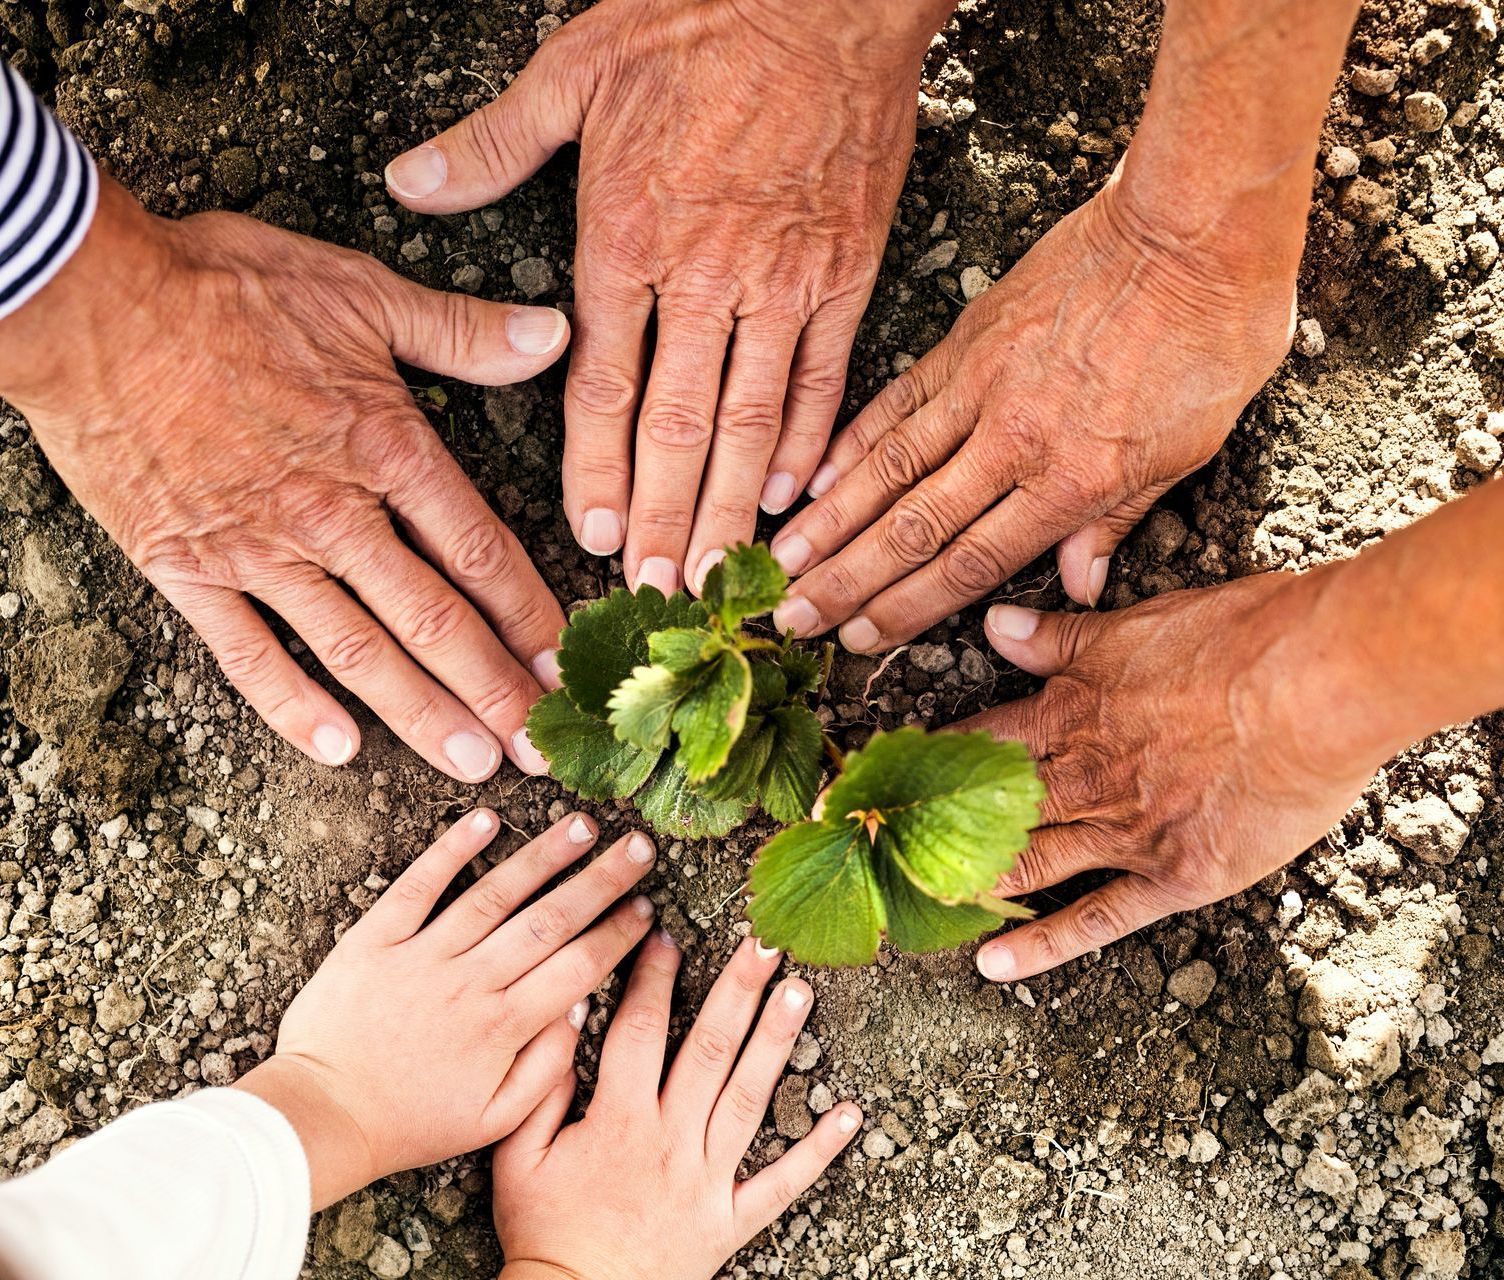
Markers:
point(703, 722)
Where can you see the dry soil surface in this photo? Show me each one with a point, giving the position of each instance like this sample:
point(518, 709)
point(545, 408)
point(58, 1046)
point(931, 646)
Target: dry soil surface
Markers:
point(1307, 1080)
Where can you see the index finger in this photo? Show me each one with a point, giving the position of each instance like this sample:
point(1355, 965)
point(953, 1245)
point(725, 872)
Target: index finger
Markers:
point(400, 912)
point(1095, 919)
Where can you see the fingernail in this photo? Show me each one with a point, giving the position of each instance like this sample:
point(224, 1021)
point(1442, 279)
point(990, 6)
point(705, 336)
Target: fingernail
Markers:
point(639, 848)
point(666, 938)
point(823, 481)
point(707, 562)
point(847, 1122)
point(580, 831)
point(471, 755)
point(660, 572)
point(534, 330)
point(1012, 622)
point(529, 758)
point(792, 552)
point(996, 963)
point(483, 821)
point(795, 997)
point(417, 173)
point(778, 492)
point(1096, 579)
point(578, 1014)
point(765, 953)
point(333, 744)
point(600, 532)
point(796, 614)
point(643, 906)
point(546, 669)
point(860, 635)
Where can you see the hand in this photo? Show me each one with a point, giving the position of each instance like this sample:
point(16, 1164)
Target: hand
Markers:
point(1109, 363)
point(645, 1185)
point(221, 396)
point(415, 1042)
point(1177, 747)
point(740, 163)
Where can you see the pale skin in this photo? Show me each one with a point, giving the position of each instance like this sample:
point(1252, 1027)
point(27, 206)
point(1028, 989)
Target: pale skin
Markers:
point(645, 1186)
point(418, 1041)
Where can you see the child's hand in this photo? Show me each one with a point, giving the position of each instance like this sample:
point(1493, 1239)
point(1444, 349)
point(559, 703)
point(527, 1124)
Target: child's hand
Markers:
point(645, 1185)
point(415, 1042)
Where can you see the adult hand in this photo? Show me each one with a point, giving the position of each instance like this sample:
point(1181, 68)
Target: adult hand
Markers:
point(740, 162)
point(221, 396)
point(1179, 746)
point(1108, 364)
point(416, 1041)
point(645, 1186)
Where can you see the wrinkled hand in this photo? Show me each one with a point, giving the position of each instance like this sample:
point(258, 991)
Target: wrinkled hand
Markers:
point(231, 414)
point(645, 1186)
point(415, 1041)
point(740, 162)
point(1173, 750)
point(1108, 364)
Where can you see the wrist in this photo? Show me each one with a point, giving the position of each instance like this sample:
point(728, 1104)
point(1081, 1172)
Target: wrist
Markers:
point(340, 1157)
point(532, 1269)
point(46, 345)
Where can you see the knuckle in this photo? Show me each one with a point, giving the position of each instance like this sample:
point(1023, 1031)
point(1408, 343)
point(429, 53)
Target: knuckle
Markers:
point(433, 623)
point(548, 923)
point(838, 586)
point(502, 699)
point(968, 567)
point(354, 653)
point(912, 533)
point(750, 422)
point(601, 389)
point(414, 887)
point(422, 711)
point(831, 517)
point(642, 1023)
point(746, 1104)
point(712, 1047)
point(663, 522)
point(822, 383)
point(1098, 921)
point(489, 900)
point(483, 552)
point(675, 427)
point(896, 462)
point(248, 659)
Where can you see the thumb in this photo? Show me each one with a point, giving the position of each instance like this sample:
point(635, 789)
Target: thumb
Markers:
point(1043, 644)
point(1085, 556)
point(494, 149)
point(457, 336)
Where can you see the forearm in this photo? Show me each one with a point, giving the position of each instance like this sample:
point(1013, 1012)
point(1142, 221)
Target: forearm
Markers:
point(1213, 95)
point(1398, 642)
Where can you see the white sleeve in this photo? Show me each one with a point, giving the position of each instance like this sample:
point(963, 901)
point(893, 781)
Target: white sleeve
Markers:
point(209, 1187)
point(48, 193)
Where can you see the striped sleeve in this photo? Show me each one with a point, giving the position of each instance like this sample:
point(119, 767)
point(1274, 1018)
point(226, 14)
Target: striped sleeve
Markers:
point(48, 191)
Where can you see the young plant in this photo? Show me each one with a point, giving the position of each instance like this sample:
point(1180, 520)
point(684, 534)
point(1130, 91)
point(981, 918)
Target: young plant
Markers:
point(674, 703)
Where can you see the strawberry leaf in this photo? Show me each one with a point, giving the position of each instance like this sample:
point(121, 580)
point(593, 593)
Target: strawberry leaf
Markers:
point(958, 806)
point(674, 808)
point(918, 923)
point(607, 638)
point(643, 706)
point(792, 774)
point(740, 777)
point(815, 894)
point(584, 753)
point(711, 714)
point(748, 582)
